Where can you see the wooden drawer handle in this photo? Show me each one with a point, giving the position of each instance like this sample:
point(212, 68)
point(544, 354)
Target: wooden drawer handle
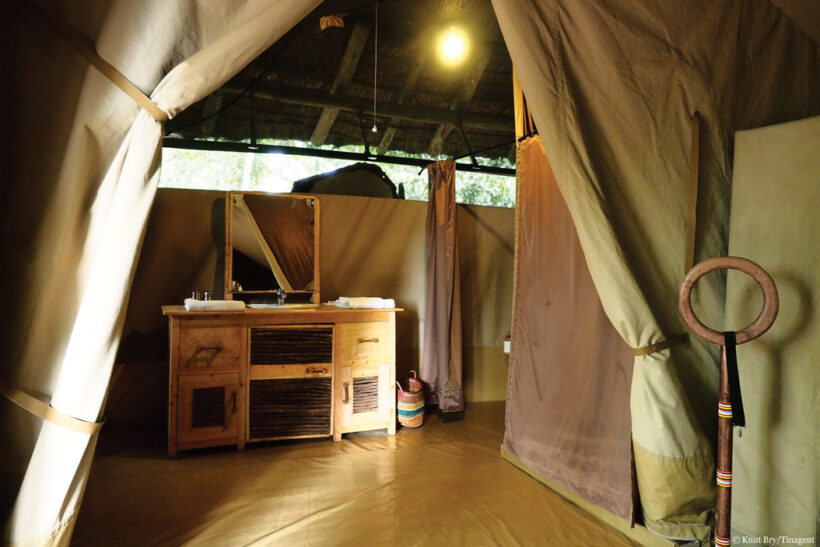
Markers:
point(346, 397)
point(311, 370)
point(363, 340)
point(208, 348)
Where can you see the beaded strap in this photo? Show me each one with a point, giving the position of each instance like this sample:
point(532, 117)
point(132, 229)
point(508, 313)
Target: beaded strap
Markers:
point(721, 541)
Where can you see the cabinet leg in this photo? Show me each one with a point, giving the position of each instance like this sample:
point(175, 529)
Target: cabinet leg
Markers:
point(172, 451)
point(337, 436)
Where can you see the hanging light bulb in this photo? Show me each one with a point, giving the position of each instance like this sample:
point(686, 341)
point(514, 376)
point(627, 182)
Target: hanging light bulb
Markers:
point(453, 46)
point(375, 129)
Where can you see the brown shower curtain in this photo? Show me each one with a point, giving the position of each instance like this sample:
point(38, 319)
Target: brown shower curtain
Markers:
point(441, 366)
point(568, 392)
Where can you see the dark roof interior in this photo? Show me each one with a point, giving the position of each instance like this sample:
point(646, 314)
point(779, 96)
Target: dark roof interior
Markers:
point(317, 85)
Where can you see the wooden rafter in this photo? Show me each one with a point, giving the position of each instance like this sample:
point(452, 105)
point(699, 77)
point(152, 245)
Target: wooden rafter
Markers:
point(464, 96)
point(409, 86)
point(347, 68)
point(416, 113)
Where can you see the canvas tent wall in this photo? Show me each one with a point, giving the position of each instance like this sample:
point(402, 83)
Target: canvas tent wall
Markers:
point(612, 85)
point(369, 246)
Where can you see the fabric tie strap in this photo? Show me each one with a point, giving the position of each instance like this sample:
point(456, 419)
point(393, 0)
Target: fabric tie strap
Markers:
point(81, 45)
point(46, 412)
point(660, 346)
point(738, 417)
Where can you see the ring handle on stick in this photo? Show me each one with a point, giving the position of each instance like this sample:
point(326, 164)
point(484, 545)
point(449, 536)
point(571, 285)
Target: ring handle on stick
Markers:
point(764, 319)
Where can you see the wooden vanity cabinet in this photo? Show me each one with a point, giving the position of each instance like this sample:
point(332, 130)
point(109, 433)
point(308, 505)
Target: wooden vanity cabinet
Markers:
point(238, 377)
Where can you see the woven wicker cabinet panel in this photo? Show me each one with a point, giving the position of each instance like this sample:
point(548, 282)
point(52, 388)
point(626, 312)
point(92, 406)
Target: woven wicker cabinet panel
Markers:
point(289, 408)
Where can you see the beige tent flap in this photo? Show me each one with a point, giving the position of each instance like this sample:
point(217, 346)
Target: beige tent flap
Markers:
point(84, 178)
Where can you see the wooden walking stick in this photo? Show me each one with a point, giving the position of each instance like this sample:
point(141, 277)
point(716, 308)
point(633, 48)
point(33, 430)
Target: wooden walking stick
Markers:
point(730, 404)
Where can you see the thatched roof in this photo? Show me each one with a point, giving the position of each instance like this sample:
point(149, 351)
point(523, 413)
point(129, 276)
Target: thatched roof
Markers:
point(293, 90)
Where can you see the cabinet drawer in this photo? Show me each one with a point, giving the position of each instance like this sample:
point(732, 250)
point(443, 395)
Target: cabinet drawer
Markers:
point(211, 349)
point(368, 343)
point(291, 345)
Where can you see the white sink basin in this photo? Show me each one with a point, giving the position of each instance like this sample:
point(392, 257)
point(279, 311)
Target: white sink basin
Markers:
point(259, 306)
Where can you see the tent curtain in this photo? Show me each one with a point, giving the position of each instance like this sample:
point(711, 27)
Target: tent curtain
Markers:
point(612, 86)
point(568, 388)
point(96, 183)
point(441, 364)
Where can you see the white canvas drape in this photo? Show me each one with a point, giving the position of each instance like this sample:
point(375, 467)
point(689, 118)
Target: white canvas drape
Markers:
point(77, 211)
point(612, 85)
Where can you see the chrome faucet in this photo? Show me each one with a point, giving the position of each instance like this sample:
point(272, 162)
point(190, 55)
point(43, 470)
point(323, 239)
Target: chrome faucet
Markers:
point(280, 296)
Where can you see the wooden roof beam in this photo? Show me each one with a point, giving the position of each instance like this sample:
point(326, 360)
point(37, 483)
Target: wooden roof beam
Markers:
point(347, 68)
point(416, 113)
point(464, 96)
point(409, 86)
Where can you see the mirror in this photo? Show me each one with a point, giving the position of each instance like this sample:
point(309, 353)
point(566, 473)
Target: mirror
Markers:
point(272, 243)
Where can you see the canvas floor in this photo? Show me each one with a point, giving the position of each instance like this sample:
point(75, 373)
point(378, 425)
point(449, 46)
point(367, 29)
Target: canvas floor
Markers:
point(442, 484)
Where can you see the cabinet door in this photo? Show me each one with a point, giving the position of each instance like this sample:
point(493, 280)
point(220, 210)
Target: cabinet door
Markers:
point(365, 395)
point(208, 409)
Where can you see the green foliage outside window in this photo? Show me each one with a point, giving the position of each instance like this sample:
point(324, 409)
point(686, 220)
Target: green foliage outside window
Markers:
point(208, 170)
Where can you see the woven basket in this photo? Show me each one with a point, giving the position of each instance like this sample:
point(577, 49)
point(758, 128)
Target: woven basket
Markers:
point(410, 404)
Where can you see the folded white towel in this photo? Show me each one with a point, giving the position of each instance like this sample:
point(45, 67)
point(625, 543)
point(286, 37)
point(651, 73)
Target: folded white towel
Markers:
point(214, 305)
point(365, 302)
